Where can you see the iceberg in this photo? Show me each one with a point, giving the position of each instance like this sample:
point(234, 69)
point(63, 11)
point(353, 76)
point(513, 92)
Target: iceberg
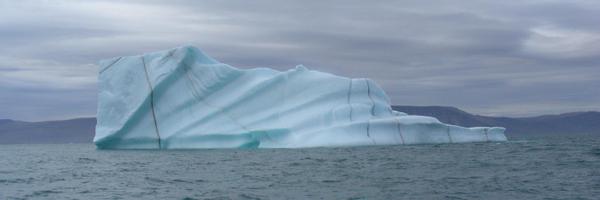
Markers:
point(183, 99)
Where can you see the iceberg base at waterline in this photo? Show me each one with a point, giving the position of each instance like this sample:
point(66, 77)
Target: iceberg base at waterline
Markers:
point(183, 99)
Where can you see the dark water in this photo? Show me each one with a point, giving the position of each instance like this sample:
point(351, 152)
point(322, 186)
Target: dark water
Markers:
point(547, 168)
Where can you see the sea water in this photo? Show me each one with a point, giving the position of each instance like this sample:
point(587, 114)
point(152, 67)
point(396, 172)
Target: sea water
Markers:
point(553, 168)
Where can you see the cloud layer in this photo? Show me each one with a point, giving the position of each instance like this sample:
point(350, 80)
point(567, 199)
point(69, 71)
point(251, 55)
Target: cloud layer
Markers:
point(488, 57)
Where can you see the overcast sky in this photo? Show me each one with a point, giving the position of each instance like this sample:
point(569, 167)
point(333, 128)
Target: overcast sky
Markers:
point(510, 58)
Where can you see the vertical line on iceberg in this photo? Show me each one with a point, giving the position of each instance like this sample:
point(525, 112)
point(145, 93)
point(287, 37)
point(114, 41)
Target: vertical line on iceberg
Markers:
point(283, 96)
point(349, 94)
point(485, 131)
point(151, 101)
point(399, 129)
point(448, 132)
point(369, 131)
point(370, 98)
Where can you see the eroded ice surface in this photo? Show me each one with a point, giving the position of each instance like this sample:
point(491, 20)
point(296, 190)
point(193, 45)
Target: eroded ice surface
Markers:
point(181, 98)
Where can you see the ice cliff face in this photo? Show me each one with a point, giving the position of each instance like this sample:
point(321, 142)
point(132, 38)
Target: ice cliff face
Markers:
point(181, 98)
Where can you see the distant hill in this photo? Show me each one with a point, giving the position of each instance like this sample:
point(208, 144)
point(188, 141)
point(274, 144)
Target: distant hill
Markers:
point(81, 130)
point(576, 123)
point(3, 121)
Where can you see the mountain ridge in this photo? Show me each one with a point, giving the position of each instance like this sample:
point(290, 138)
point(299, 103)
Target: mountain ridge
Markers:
point(81, 130)
point(77, 130)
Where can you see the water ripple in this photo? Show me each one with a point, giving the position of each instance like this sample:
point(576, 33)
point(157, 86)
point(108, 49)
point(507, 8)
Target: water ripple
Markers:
point(531, 169)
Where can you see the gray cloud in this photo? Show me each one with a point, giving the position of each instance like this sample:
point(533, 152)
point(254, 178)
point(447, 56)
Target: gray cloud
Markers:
point(488, 57)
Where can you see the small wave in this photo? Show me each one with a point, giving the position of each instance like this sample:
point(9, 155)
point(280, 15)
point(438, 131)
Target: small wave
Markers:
point(249, 196)
point(86, 160)
point(181, 181)
point(43, 193)
point(518, 141)
point(18, 180)
point(154, 179)
point(595, 151)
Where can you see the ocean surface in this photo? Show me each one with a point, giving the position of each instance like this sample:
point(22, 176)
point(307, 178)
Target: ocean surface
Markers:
point(540, 168)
